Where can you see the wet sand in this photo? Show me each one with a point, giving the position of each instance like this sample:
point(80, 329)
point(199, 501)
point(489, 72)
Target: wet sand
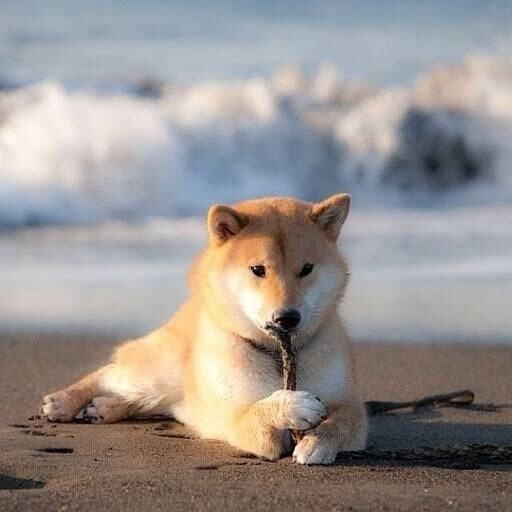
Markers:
point(416, 460)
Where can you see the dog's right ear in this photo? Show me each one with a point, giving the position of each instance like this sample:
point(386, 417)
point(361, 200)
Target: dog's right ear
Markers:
point(223, 223)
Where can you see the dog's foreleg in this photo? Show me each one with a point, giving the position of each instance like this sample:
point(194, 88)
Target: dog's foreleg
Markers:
point(345, 429)
point(263, 428)
point(143, 379)
point(63, 405)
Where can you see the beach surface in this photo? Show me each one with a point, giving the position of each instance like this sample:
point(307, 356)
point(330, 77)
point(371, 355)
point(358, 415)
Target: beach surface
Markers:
point(417, 460)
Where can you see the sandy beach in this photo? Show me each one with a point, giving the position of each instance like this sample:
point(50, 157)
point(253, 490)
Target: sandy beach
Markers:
point(423, 460)
point(122, 123)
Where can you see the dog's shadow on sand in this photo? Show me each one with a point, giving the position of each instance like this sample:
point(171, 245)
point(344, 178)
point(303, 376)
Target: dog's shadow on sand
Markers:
point(422, 438)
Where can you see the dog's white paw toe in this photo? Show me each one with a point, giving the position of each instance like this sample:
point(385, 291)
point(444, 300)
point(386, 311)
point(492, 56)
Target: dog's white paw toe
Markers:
point(58, 407)
point(103, 409)
point(91, 414)
point(311, 450)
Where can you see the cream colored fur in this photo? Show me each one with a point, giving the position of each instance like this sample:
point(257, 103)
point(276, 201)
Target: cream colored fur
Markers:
point(202, 367)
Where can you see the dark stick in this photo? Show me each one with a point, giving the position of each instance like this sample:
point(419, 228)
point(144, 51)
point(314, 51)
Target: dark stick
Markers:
point(456, 398)
point(289, 363)
point(288, 356)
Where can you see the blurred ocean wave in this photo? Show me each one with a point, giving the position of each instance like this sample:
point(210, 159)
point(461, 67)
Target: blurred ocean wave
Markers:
point(417, 275)
point(122, 121)
point(168, 150)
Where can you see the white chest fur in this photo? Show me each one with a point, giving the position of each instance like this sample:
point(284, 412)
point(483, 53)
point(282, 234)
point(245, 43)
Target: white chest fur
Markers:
point(238, 375)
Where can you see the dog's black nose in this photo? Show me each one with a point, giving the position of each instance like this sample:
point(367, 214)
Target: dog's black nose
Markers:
point(286, 318)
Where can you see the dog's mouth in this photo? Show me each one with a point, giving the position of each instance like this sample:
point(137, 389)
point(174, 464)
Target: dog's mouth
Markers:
point(275, 330)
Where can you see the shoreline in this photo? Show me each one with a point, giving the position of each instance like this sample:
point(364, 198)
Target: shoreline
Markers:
point(415, 460)
point(115, 335)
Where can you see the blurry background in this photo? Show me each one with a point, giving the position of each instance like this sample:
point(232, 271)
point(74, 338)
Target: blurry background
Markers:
point(121, 121)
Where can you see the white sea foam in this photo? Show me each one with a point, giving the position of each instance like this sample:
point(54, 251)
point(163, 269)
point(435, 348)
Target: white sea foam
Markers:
point(73, 157)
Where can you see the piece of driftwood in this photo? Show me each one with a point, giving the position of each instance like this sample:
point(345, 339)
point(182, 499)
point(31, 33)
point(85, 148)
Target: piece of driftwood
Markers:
point(288, 363)
point(454, 399)
point(288, 356)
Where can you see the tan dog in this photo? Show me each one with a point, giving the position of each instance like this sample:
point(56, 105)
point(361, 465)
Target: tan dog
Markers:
point(213, 365)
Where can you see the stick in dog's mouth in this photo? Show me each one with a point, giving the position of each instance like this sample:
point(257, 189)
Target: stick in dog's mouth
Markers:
point(288, 363)
point(288, 356)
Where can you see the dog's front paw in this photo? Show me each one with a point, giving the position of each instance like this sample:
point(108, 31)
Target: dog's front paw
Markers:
point(311, 449)
point(297, 410)
point(59, 406)
point(103, 409)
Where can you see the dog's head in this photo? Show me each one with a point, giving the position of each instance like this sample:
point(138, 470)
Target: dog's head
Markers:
point(273, 262)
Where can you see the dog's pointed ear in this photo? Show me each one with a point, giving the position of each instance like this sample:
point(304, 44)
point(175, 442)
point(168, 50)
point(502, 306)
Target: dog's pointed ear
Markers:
point(223, 223)
point(331, 213)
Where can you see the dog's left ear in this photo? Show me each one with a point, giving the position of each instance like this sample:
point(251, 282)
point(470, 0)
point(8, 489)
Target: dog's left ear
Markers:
point(331, 213)
point(224, 222)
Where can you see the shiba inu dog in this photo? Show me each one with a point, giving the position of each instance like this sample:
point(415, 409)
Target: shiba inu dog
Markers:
point(213, 366)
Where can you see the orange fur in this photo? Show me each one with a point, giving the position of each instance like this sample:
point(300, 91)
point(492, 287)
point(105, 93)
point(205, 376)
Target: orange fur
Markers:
point(201, 367)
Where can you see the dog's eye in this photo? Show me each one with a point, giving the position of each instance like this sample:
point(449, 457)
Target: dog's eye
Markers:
point(306, 269)
point(258, 270)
